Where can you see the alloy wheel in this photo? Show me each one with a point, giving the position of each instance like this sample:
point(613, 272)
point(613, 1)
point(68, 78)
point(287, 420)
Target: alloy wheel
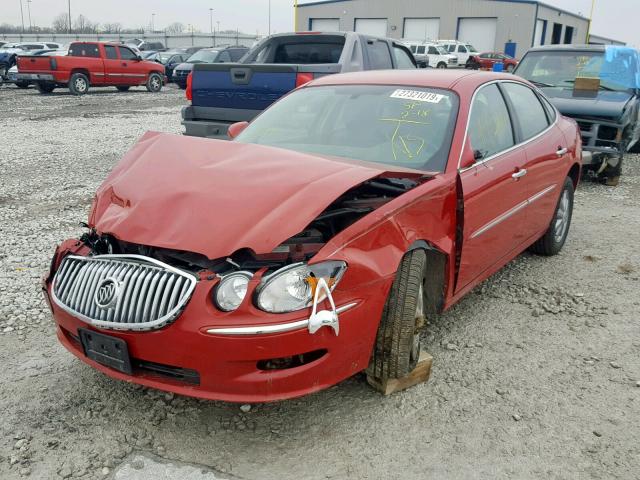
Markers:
point(562, 217)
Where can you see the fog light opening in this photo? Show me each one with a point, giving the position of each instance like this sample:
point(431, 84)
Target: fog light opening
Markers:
point(293, 361)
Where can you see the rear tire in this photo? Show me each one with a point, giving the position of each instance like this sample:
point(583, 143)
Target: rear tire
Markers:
point(397, 347)
point(123, 88)
point(442, 65)
point(45, 87)
point(555, 237)
point(154, 83)
point(22, 84)
point(78, 84)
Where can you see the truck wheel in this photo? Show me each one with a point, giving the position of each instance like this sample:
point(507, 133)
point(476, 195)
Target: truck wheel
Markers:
point(45, 87)
point(442, 65)
point(553, 240)
point(123, 88)
point(397, 346)
point(154, 83)
point(22, 84)
point(78, 84)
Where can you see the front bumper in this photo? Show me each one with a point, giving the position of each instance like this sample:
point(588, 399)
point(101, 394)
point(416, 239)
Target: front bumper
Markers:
point(600, 139)
point(186, 359)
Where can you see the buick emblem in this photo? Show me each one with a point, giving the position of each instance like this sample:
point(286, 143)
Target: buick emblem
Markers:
point(107, 293)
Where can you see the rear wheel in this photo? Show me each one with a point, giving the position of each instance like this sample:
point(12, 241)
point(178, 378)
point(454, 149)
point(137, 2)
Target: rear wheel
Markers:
point(123, 88)
point(78, 84)
point(554, 238)
point(3, 72)
point(442, 65)
point(154, 83)
point(45, 87)
point(22, 84)
point(397, 347)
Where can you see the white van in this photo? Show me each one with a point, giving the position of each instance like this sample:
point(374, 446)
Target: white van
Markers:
point(432, 54)
point(461, 50)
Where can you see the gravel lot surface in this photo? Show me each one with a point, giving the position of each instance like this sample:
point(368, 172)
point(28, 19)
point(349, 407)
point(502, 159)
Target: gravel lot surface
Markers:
point(536, 372)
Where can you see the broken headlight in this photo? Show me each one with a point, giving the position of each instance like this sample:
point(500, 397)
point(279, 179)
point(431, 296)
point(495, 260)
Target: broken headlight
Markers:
point(293, 287)
point(231, 290)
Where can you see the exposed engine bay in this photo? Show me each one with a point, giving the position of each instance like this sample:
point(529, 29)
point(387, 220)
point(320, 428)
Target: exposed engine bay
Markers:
point(340, 214)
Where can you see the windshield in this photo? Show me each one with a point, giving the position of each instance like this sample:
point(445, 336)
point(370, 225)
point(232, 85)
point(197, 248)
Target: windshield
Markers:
point(399, 126)
point(617, 69)
point(164, 57)
point(471, 48)
point(203, 56)
point(442, 50)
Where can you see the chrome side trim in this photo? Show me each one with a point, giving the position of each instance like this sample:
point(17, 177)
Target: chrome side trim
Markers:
point(276, 328)
point(510, 149)
point(509, 213)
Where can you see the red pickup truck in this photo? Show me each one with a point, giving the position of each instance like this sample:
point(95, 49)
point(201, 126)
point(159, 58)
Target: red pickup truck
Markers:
point(100, 64)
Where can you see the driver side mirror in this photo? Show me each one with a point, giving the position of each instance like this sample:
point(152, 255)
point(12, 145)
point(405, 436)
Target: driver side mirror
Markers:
point(236, 129)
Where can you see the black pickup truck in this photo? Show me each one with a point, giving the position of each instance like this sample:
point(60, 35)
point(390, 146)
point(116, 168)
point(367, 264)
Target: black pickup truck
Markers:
point(222, 94)
point(599, 87)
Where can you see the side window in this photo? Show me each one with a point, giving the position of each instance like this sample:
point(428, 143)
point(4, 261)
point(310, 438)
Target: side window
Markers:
point(110, 51)
point(52, 45)
point(421, 49)
point(379, 55)
point(223, 57)
point(237, 54)
point(127, 54)
point(490, 130)
point(84, 50)
point(532, 118)
point(451, 48)
point(462, 49)
point(413, 48)
point(433, 51)
point(551, 112)
point(403, 61)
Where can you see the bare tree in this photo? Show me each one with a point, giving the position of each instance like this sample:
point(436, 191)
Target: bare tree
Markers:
point(175, 27)
point(61, 23)
point(112, 27)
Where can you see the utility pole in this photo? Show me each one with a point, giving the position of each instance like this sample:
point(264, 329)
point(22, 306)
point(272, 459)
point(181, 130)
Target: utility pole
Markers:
point(211, 20)
point(69, 4)
point(29, 11)
point(269, 17)
point(153, 22)
point(593, 6)
point(295, 15)
point(218, 22)
point(22, 16)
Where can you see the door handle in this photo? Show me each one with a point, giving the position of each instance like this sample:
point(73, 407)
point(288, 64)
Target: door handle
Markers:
point(124, 64)
point(562, 151)
point(519, 174)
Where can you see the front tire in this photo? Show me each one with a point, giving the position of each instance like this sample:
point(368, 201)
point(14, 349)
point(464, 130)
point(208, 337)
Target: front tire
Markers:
point(555, 237)
point(154, 83)
point(22, 84)
point(442, 65)
point(78, 84)
point(397, 347)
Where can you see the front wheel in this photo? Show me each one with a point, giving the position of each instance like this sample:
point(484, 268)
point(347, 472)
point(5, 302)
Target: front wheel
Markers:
point(556, 235)
point(442, 65)
point(22, 84)
point(45, 87)
point(397, 348)
point(154, 83)
point(78, 84)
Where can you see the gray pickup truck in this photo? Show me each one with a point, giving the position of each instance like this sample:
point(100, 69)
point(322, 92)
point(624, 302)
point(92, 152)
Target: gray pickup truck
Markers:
point(222, 94)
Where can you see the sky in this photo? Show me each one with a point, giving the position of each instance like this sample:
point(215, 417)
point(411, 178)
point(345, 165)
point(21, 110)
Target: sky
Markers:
point(612, 18)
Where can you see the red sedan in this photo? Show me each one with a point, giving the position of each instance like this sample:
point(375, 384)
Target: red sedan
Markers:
point(313, 246)
point(489, 59)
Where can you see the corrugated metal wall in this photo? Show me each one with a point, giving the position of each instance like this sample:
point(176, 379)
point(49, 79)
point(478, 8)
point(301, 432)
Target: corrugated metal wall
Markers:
point(515, 21)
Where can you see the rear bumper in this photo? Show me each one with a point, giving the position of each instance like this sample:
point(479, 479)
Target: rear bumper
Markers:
point(34, 77)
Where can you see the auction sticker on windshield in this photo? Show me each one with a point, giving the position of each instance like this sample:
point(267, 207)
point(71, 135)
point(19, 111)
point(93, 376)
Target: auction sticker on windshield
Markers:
point(417, 95)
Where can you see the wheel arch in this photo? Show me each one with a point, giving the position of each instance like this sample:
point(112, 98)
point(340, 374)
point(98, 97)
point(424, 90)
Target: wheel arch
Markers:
point(435, 277)
point(84, 71)
point(574, 174)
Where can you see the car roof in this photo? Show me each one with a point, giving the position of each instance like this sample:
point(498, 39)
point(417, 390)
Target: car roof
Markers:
point(566, 48)
point(436, 78)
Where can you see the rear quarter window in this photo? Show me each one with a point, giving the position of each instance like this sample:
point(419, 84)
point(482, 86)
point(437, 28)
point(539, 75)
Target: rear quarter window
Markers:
point(531, 115)
point(84, 50)
point(379, 55)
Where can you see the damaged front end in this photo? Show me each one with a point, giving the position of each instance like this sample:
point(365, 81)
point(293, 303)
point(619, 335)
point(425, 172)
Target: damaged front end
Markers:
point(604, 143)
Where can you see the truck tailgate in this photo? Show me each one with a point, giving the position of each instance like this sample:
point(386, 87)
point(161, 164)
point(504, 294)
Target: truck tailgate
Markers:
point(248, 86)
point(35, 64)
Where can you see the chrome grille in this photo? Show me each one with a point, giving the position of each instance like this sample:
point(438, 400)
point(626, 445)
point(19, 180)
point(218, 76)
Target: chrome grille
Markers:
point(126, 292)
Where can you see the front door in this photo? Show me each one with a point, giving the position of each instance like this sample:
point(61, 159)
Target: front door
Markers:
point(113, 69)
point(495, 189)
point(132, 71)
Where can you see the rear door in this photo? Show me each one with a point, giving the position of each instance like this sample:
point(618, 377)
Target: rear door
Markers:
point(495, 195)
point(546, 149)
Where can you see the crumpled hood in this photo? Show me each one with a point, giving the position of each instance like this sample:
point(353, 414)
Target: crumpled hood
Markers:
point(214, 197)
point(605, 104)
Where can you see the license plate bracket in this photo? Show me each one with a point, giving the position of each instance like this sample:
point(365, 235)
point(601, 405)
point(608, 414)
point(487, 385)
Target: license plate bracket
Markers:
point(106, 350)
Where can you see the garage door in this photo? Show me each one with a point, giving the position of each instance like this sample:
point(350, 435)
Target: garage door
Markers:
point(372, 26)
point(479, 32)
point(421, 29)
point(325, 25)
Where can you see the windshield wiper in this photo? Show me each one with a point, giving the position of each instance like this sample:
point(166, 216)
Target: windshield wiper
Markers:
point(541, 84)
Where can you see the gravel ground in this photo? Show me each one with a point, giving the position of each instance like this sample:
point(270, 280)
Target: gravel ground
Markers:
point(536, 372)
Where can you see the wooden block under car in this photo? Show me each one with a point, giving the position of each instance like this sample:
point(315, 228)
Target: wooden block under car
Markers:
point(420, 374)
